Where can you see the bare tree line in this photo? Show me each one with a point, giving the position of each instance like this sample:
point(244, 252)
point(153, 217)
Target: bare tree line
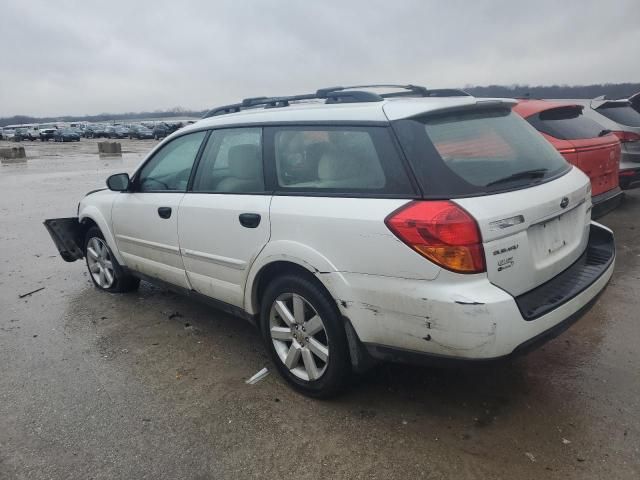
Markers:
point(611, 90)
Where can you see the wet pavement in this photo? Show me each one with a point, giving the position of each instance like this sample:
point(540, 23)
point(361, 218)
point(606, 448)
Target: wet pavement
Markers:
point(151, 385)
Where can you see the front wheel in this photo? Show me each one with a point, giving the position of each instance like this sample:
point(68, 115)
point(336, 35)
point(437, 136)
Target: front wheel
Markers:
point(304, 334)
point(105, 271)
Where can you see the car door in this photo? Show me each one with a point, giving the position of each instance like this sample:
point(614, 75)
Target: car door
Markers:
point(224, 218)
point(145, 220)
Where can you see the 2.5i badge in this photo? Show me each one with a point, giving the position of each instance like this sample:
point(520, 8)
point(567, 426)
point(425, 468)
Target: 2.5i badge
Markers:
point(508, 262)
point(505, 263)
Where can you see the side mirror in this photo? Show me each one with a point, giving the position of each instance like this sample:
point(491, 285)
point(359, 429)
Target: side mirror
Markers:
point(119, 182)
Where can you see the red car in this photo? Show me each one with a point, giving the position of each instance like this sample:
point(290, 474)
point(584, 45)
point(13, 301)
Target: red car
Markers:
point(583, 143)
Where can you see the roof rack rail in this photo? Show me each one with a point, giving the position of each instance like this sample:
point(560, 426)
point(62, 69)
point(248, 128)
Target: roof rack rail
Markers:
point(332, 95)
point(409, 90)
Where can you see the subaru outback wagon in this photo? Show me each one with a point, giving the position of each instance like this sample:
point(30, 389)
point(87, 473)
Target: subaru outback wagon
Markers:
point(353, 226)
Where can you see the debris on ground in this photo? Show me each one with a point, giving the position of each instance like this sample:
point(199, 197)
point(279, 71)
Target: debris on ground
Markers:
point(530, 456)
point(173, 315)
point(258, 376)
point(31, 292)
point(565, 441)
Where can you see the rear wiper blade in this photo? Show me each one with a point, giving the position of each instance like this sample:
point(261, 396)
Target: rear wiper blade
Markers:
point(536, 173)
point(604, 132)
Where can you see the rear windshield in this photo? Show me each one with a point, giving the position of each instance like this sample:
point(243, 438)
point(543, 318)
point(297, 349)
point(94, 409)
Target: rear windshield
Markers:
point(566, 123)
point(621, 113)
point(472, 152)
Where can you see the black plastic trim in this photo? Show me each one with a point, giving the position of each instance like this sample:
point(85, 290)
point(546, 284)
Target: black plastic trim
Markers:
point(606, 202)
point(217, 304)
point(591, 265)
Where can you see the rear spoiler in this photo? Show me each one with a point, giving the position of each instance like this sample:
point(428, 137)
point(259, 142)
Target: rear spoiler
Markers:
point(602, 101)
point(419, 109)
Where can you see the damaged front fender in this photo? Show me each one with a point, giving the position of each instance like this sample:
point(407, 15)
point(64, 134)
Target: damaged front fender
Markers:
point(68, 236)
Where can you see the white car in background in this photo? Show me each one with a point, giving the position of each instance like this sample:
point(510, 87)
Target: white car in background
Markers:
point(7, 134)
point(355, 226)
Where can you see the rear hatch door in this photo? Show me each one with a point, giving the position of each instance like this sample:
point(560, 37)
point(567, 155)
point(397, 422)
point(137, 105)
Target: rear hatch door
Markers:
point(532, 207)
point(599, 158)
point(532, 235)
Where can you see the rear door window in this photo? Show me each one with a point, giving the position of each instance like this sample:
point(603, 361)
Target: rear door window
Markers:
point(341, 160)
point(621, 113)
point(231, 162)
point(565, 123)
point(477, 151)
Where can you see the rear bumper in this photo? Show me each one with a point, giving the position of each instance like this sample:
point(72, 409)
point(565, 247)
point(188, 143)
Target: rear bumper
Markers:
point(67, 235)
point(399, 355)
point(592, 264)
point(606, 202)
point(629, 178)
point(465, 317)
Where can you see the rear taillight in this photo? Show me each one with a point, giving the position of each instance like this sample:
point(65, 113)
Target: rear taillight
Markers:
point(564, 151)
point(442, 232)
point(626, 137)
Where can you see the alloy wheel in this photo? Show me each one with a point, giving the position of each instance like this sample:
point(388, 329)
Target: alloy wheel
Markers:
point(299, 336)
point(100, 263)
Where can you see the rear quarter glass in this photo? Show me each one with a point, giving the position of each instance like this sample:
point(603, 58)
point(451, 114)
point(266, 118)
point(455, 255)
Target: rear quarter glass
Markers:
point(464, 153)
point(336, 160)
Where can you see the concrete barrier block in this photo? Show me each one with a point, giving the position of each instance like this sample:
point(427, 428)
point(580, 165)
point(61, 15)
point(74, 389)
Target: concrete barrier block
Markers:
point(13, 155)
point(109, 148)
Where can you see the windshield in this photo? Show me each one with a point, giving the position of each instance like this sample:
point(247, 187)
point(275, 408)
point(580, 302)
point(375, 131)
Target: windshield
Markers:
point(471, 152)
point(621, 113)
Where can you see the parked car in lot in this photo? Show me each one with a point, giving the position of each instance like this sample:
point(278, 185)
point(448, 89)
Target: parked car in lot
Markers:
point(116, 131)
point(582, 142)
point(140, 132)
point(623, 120)
point(22, 134)
point(95, 131)
point(161, 130)
point(635, 101)
point(8, 133)
point(66, 135)
point(354, 226)
point(47, 133)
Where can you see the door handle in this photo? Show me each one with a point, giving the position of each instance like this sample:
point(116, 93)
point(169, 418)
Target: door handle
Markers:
point(164, 212)
point(249, 220)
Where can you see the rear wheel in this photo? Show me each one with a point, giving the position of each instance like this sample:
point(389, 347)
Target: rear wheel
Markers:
point(105, 271)
point(305, 336)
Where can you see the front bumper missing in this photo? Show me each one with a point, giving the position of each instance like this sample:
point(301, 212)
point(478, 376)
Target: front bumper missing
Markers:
point(68, 236)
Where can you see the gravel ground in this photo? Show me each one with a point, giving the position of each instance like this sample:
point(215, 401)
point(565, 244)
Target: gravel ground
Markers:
point(151, 385)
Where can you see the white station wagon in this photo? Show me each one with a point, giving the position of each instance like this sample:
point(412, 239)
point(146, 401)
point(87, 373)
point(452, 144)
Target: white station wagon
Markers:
point(353, 226)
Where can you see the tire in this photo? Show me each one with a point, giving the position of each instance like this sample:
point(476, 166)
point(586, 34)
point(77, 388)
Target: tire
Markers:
point(297, 340)
point(99, 262)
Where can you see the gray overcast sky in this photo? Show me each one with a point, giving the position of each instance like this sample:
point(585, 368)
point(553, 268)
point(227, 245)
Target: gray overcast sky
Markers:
point(64, 57)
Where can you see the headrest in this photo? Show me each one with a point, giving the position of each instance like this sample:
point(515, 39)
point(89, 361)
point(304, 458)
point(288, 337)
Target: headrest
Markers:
point(244, 161)
point(333, 166)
